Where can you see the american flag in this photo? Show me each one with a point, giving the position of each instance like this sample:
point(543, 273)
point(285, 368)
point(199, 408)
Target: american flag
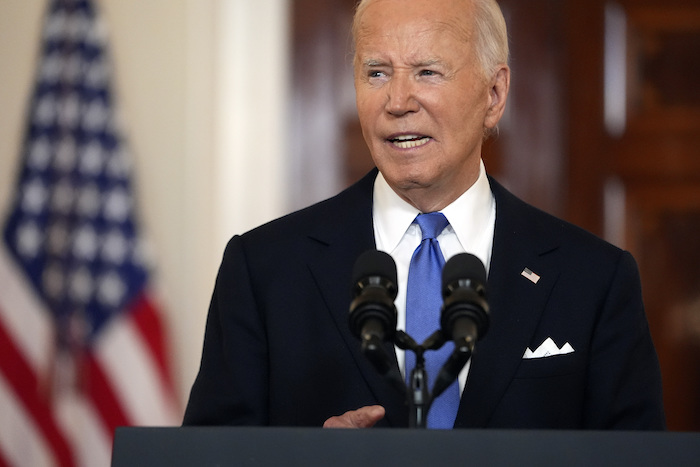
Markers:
point(82, 346)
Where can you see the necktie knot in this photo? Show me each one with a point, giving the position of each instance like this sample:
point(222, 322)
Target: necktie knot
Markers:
point(431, 224)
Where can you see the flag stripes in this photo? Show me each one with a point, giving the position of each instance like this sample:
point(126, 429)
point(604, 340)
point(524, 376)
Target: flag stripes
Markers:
point(22, 378)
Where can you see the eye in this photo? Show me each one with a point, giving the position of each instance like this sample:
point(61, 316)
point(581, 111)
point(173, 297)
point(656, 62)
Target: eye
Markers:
point(375, 74)
point(428, 73)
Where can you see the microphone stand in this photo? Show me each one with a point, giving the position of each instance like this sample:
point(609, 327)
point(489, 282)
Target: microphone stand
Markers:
point(418, 395)
point(418, 391)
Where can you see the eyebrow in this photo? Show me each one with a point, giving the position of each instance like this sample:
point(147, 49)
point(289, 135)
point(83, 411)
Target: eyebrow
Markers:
point(429, 62)
point(372, 62)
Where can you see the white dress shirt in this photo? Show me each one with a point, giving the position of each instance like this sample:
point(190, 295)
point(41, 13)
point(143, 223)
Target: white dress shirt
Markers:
point(472, 217)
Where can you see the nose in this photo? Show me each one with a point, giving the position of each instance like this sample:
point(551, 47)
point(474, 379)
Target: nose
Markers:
point(401, 95)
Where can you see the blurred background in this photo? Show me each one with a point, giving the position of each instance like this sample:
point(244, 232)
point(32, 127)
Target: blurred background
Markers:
point(234, 112)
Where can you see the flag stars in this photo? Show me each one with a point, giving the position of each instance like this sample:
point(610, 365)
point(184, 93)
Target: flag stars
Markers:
point(143, 253)
point(73, 67)
point(96, 75)
point(58, 239)
point(62, 197)
point(89, 201)
point(54, 26)
point(39, 154)
point(96, 33)
point(51, 68)
point(117, 205)
point(53, 281)
point(29, 239)
point(118, 165)
point(34, 196)
point(92, 161)
point(81, 286)
point(69, 110)
point(115, 247)
point(77, 25)
point(66, 155)
point(110, 289)
point(96, 116)
point(85, 243)
point(45, 111)
point(72, 228)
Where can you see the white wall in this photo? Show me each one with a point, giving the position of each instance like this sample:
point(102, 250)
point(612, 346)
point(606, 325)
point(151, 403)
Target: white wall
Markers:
point(202, 90)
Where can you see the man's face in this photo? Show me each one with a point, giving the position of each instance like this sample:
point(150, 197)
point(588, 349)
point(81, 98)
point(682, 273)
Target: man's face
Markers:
point(422, 98)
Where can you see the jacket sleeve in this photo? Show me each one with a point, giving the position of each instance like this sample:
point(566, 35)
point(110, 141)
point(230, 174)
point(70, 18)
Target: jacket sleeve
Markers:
point(231, 387)
point(624, 379)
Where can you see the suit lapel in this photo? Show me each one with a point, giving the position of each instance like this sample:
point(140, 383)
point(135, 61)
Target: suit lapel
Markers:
point(516, 305)
point(334, 248)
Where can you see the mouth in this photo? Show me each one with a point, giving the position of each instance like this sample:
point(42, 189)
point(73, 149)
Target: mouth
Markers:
point(409, 141)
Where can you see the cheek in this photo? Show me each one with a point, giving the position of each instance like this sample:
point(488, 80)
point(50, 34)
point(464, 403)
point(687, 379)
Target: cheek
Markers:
point(366, 112)
point(366, 97)
point(466, 116)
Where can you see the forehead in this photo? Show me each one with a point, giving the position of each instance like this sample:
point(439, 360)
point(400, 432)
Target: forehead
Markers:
point(415, 26)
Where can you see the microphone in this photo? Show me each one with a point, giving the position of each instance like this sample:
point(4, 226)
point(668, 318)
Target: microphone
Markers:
point(464, 316)
point(465, 313)
point(372, 311)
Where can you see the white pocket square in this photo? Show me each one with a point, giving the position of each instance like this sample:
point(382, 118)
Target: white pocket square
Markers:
point(548, 349)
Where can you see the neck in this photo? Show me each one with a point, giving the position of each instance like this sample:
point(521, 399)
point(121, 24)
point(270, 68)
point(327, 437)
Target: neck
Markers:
point(432, 199)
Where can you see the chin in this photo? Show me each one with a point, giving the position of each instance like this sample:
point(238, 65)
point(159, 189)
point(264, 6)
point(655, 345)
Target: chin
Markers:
point(406, 182)
point(406, 170)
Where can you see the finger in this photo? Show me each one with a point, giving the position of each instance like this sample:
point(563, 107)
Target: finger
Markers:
point(364, 417)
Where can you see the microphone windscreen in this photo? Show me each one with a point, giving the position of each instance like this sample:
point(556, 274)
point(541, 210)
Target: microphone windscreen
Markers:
point(374, 263)
point(463, 266)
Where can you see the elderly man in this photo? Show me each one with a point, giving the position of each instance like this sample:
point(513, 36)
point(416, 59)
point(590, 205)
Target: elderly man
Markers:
point(568, 344)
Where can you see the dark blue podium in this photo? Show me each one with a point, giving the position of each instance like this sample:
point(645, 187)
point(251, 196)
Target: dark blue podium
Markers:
point(262, 446)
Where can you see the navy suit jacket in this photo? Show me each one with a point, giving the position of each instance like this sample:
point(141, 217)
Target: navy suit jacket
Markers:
point(278, 349)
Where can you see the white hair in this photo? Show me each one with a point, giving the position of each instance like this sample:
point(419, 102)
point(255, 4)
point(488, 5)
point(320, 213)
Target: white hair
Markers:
point(491, 35)
point(490, 31)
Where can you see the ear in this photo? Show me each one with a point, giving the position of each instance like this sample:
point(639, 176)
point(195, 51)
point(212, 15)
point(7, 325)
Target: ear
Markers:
point(498, 94)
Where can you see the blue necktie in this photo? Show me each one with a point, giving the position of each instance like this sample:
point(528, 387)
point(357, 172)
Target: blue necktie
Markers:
point(423, 301)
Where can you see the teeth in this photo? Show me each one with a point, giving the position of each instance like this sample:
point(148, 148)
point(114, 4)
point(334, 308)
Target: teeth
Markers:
point(410, 141)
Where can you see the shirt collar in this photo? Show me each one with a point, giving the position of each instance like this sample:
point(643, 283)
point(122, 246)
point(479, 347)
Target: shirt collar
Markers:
point(467, 215)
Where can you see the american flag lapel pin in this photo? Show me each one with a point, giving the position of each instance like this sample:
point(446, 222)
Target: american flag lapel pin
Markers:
point(534, 278)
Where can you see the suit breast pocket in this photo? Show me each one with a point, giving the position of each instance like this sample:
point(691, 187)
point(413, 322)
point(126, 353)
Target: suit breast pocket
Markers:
point(546, 393)
point(546, 367)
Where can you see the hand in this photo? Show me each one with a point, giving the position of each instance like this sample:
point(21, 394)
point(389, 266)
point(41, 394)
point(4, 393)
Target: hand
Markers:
point(363, 417)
